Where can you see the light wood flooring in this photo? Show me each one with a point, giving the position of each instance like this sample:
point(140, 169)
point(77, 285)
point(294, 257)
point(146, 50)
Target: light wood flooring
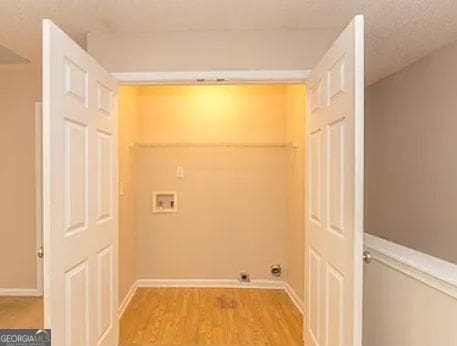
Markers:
point(211, 316)
point(21, 312)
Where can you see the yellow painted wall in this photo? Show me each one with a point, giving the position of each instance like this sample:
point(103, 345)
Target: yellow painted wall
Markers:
point(232, 201)
point(128, 118)
point(239, 209)
point(295, 132)
point(205, 113)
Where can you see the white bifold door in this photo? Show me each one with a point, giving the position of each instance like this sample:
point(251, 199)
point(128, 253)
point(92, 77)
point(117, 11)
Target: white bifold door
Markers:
point(80, 194)
point(334, 213)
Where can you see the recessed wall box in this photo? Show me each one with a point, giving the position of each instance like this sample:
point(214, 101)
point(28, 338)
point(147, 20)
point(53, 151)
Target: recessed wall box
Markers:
point(164, 202)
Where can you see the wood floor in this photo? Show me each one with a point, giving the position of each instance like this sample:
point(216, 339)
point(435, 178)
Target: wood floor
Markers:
point(21, 312)
point(211, 316)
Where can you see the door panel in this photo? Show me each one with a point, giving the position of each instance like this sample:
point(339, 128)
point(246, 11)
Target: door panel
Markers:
point(334, 320)
point(77, 321)
point(314, 294)
point(76, 177)
point(105, 291)
point(335, 193)
point(80, 205)
point(104, 174)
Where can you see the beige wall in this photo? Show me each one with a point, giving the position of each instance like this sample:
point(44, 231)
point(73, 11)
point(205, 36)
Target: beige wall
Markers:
point(401, 311)
point(231, 213)
point(295, 239)
point(20, 87)
point(210, 50)
point(128, 117)
point(232, 201)
point(411, 185)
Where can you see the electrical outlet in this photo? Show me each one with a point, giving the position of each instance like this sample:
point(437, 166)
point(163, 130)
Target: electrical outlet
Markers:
point(180, 172)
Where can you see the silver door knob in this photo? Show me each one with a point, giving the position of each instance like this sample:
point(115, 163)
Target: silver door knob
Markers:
point(40, 252)
point(367, 257)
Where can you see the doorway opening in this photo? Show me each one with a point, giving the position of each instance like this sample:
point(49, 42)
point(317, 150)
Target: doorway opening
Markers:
point(22, 308)
point(211, 192)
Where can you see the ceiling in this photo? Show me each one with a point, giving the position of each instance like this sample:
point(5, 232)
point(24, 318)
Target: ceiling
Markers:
point(398, 32)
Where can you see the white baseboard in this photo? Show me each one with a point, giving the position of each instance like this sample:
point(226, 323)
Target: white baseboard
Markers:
point(226, 283)
point(223, 283)
point(128, 297)
point(21, 292)
point(294, 297)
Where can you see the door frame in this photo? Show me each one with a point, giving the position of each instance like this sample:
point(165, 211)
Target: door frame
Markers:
point(239, 77)
point(213, 77)
point(39, 194)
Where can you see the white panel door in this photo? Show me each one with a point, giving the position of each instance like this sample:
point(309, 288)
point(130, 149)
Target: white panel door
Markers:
point(80, 189)
point(334, 213)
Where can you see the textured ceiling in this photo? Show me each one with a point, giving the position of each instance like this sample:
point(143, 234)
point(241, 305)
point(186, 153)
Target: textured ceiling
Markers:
point(397, 31)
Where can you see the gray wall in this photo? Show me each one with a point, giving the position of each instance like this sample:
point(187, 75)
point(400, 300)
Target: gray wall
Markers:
point(411, 155)
point(20, 87)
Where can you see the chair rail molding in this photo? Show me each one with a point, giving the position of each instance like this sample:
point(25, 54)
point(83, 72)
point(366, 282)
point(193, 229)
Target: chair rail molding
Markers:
point(431, 271)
